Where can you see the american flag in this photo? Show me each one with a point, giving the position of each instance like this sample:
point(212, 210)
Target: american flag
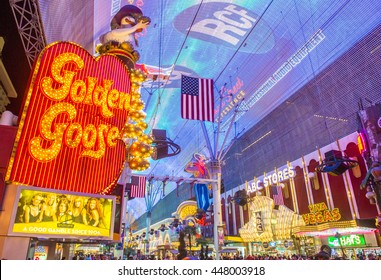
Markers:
point(277, 195)
point(137, 187)
point(197, 99)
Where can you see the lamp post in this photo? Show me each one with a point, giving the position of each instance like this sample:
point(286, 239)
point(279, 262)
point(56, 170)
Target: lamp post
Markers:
point(303, 242)
point(296, 241)
point(376, 173)
point(190, 230)
point(215, 170)
point(338, 236)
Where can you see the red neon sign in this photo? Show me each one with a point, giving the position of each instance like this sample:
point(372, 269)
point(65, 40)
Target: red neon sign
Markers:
point(69, 132)
point(361, 143)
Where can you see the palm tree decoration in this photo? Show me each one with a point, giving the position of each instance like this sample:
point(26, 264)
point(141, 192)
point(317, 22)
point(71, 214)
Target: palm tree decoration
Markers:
point(190, 230)
point(182, 252)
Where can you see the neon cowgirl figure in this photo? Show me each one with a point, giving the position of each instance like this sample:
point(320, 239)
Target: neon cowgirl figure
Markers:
point(126, 23)
point(197, 166)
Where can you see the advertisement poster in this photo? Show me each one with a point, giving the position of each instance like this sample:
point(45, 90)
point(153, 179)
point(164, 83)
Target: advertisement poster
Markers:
point(60, 213)
point(41, 253)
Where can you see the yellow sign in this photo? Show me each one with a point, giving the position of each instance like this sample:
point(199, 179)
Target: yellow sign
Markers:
point(188, 210)
point(62, 213)
point(319, 213)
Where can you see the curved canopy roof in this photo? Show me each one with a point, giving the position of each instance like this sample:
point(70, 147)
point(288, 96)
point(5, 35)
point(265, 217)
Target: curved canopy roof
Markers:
point(268, 49)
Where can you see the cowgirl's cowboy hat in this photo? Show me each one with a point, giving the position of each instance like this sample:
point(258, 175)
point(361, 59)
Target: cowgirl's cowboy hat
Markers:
point(128, 10)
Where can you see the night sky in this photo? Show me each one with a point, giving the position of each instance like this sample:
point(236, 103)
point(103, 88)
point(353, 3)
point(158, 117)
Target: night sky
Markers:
point(13, 56)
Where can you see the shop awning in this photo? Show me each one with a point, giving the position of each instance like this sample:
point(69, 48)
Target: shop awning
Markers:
point(237, 239)
point(164, 247)
point(332, 228)
point(88, 248)
point(229, 250)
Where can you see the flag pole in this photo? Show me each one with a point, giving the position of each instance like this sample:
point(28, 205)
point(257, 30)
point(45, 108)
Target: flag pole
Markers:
point(218, 128)
point(227, 149)
point(206, 136)
point(149, 198)
point(215, 171)
point(228, 132)
point(126, 239)
point(126, 176)
point(181, 179)
point(188, 87)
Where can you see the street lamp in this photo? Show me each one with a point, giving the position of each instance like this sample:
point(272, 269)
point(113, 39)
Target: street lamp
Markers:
point(190, 230)
point(296, 241)
point(338, 236)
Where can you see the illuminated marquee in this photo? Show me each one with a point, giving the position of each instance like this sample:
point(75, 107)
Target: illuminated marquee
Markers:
point(319, 213)
point(69, 131)
point(186, 211)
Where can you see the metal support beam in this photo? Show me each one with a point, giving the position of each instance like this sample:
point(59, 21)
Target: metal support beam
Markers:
point(206, 136)
point(215, 169)
point(177, 179)
point(28, 19)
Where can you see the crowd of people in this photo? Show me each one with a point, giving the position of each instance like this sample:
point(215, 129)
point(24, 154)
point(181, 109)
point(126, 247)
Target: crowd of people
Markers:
point(323, 254)
point(249, 257)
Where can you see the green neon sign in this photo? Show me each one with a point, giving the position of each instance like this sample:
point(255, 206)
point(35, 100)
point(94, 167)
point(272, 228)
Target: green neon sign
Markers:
point(352, 240)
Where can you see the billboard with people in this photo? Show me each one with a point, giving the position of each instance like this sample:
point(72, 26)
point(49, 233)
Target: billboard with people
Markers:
point(61, 213)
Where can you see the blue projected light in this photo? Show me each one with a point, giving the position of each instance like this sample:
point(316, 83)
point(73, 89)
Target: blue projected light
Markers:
point(259, 53)
point(227, 26)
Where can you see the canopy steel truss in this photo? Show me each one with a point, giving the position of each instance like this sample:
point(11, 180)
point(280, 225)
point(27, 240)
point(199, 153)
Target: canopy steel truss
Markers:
point(28, 20)
point(178, 180)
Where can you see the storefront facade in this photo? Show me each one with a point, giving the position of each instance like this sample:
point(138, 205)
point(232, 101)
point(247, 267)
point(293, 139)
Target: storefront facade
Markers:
point(312, 205)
